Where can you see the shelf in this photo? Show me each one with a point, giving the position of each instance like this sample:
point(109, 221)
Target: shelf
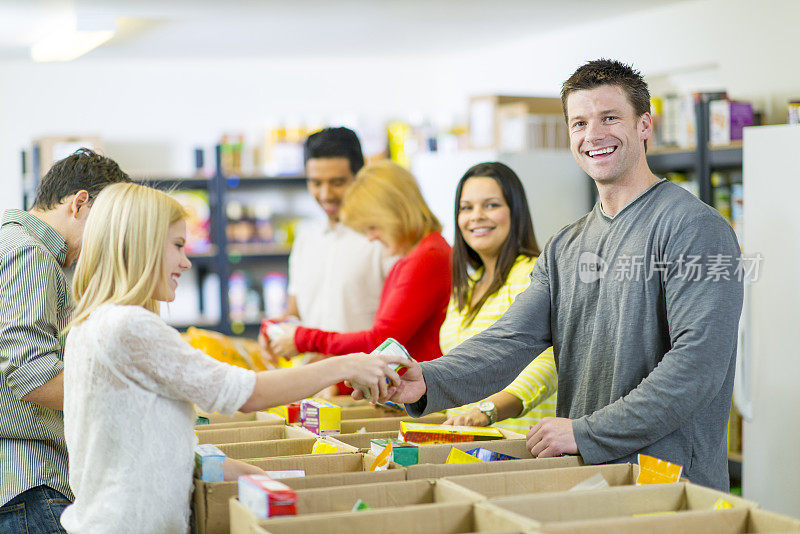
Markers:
point(669, 159)
point(234, 182)
point(257, 251)
point(203, 258)
point(725, 156)
point(735, 466)
point(162, 182)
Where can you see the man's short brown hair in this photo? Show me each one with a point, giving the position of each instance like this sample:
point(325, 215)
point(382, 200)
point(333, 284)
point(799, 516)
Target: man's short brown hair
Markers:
point(83, 170)
point(609, 72)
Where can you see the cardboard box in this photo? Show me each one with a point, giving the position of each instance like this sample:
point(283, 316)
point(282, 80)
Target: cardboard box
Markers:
point(342, 499)
point(437, 454)
point(450, 518)
point(414, 472)
point(384, 424)
point(297, 441)
point(210, 500)
point(251, 433)
point(362, 441)
point(624, 501)
point(733, 521)
point(487, 113)
point(491, 485)
point(238, 417)
point(278, 421)
point(370, 412)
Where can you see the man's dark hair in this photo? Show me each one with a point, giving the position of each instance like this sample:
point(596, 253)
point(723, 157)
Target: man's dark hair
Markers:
point(83, 170)
point(335, 143)
point(609, 72)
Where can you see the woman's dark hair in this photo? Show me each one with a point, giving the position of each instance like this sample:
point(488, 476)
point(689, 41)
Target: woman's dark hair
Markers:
point(520, 240)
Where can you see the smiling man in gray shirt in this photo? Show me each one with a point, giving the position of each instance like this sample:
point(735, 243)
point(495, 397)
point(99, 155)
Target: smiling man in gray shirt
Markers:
point(640, 299)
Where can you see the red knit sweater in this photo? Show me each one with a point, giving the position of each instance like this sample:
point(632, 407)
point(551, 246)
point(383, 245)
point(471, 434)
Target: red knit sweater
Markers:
point(411, 309)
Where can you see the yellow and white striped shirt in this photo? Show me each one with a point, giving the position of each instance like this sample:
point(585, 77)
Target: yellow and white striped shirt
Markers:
point(536, 384)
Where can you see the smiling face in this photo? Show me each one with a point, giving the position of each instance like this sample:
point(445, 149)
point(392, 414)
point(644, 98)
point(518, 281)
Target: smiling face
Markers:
point(484, 217)
point(606, 135)
point(328, 180)
point(175, 261)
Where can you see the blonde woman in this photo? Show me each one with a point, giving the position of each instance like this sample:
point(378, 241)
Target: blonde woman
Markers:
point(130, 381)
point(386, 205)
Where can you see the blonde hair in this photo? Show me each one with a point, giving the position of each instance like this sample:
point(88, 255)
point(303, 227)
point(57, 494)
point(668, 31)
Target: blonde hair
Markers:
point(386, 196)
point(122, 256)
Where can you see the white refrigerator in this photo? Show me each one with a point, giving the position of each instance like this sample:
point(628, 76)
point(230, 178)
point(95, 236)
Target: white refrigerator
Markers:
point(767, 390)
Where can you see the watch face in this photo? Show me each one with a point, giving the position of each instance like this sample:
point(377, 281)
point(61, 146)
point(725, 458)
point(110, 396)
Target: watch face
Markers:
point(486, 406)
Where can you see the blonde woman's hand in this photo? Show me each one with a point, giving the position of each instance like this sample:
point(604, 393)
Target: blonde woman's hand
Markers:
point(283, 345)
point(369, 373)
point(473, 417)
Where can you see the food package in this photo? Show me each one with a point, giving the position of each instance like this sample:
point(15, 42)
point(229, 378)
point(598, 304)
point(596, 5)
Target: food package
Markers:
point(656, 471)
point(457, 456)
point(401, 453)
point(208, 460)
point(489, 456)
point(266, 497)
point(320, 416)
point(428, 433)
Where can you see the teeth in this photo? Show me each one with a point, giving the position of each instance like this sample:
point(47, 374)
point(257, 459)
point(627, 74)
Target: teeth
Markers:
point(606, 150)
point(481, 231)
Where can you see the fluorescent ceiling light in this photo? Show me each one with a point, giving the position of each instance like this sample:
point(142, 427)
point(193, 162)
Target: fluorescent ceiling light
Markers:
point(66, 45)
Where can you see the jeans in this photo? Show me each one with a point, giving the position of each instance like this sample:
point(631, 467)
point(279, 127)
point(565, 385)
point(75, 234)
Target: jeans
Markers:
point(36, 511)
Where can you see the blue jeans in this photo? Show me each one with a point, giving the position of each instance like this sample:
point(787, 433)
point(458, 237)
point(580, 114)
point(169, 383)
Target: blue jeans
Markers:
point(36, 511)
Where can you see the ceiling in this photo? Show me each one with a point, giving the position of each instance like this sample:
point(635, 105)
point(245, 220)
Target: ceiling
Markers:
point(148, 29)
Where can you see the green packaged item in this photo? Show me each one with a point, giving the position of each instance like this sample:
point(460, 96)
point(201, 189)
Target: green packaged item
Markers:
point(360, 505)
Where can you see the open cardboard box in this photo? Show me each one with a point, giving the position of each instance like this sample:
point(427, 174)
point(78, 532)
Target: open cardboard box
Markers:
point(621, 501)
point(733, 521)
point(210, 500)
point(384, 424)
point(297, 441)
point(251, 433)
point(342, 499)
point(492, 485)
point(450, 518)
point(239, 417)
point(414, 472)
point(278, 421)
point(369, 411)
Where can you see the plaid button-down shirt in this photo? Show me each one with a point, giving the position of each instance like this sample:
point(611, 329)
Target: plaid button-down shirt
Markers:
point(35, 308)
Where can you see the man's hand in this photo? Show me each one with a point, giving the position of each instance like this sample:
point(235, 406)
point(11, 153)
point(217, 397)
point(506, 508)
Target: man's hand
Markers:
point(552, 436)
point(473, 417)
point(411, 388)
point(283, 345)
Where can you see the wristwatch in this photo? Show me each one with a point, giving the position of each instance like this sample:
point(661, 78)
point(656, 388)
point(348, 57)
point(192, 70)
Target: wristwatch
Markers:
point(488, 409)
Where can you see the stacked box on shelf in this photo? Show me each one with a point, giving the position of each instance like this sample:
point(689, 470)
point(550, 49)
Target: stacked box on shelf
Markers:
point(732, 521)
point(449, 518)
point(343, 499)
point(210, 500)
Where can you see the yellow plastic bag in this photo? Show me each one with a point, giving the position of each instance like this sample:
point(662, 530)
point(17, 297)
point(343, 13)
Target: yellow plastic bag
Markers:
point(240, 352)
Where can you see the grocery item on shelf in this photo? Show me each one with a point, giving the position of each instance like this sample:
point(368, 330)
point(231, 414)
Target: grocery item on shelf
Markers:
point(198, 219)
point(275, 287)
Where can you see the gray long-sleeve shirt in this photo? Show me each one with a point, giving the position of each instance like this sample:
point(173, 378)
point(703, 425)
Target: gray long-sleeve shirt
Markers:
point(642, 312)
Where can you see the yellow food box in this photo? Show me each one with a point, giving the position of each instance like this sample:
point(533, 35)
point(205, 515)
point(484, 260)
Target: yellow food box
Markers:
point(428, 433)
point(320, 416)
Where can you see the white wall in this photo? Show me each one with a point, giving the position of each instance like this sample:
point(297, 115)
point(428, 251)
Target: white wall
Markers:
point(735, 44)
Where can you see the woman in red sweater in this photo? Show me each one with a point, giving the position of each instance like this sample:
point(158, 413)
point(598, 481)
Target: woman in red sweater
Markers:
point(385, 204)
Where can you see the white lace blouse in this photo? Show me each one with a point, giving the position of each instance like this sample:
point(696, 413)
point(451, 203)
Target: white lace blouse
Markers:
point(129, 385)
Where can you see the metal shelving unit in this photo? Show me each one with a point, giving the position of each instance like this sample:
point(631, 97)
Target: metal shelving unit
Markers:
point(703, 159)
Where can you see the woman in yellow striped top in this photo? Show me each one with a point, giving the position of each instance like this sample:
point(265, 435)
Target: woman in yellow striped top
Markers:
point(495, 238)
